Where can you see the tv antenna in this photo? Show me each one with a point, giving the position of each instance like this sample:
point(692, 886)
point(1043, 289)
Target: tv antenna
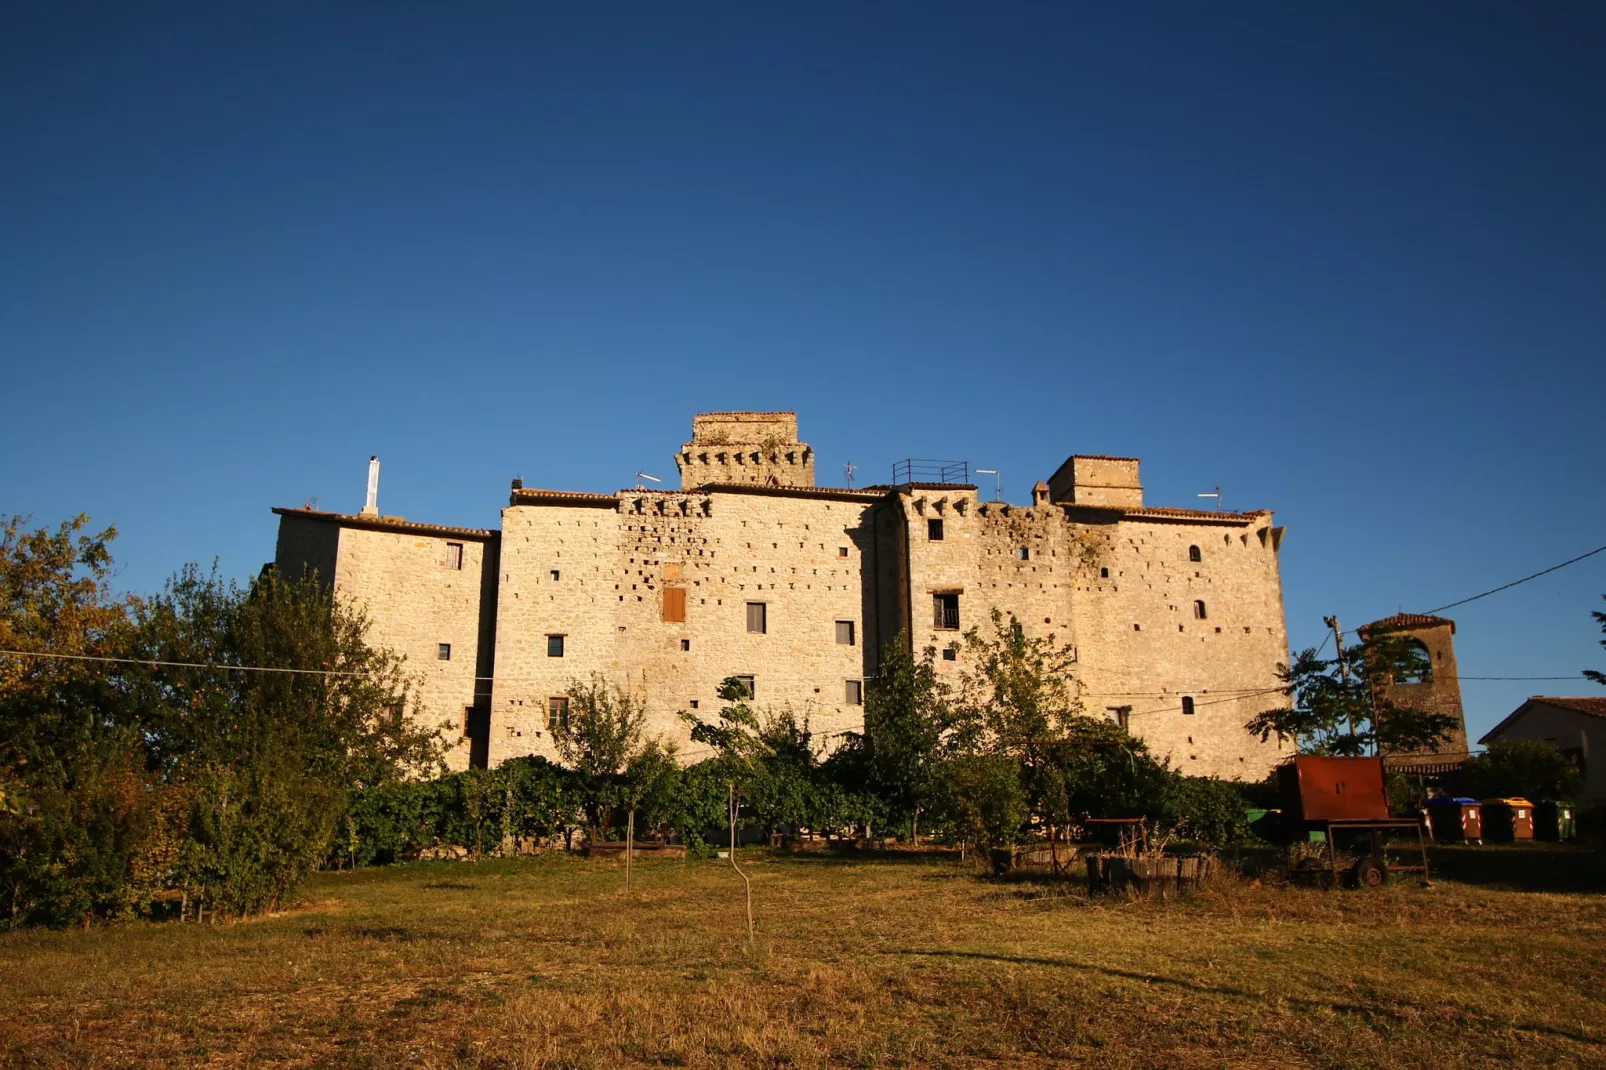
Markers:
point(852, 468)
point(1216, 494)
point(643, 475)
point(998, 482)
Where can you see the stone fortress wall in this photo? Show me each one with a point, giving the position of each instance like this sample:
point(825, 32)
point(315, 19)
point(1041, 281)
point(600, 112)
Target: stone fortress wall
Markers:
point(652, 587)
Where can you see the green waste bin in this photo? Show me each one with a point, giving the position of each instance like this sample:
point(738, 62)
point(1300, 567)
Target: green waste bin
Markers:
point(1555, 821)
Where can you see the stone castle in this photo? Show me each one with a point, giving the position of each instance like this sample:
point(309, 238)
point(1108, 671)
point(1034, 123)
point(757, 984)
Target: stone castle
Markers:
point(750, 569)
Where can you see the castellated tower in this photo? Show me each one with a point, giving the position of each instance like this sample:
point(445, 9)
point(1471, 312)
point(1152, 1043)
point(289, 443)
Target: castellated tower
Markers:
point(745, 447)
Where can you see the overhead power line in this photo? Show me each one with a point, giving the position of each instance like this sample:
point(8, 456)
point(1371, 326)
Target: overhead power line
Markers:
point(179, 664)
point(1525, 579)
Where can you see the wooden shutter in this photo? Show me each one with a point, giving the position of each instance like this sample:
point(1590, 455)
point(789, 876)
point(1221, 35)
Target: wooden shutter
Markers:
point(675, 604)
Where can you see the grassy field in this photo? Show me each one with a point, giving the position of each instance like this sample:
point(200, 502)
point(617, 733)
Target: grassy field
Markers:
point(908, 960)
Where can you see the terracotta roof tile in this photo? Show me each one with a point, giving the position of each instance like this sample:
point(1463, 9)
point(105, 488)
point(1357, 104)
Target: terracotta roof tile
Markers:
point(1408, 620)
point(1590, 705)
point(379, 523)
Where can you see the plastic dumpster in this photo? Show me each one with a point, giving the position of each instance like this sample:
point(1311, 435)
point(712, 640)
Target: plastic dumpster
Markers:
point(1455, 820)
point(1555, 821)
point(1508, 820)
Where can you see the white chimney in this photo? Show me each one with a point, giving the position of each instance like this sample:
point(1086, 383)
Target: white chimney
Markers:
point(372, 508)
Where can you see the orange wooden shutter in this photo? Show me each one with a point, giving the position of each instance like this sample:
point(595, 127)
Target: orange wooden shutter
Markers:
point(675, 604)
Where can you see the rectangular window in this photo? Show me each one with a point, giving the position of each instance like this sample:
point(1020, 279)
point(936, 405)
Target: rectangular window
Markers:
point(950, 654)
point(842, 551)
point(444, 652)
point(555, 575)
point(853, 694)
point(945, 611)
point(557, 712)
point(844, 632)
point(685, 644)
point(1024, 553)
point(554, 646)
point(934, 529)
point(758, 620)
point(750, 683)
point(1119, 715)
point(454, 555)
point(675, 604)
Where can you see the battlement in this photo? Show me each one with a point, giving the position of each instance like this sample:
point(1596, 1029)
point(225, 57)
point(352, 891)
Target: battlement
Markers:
point(745, 447)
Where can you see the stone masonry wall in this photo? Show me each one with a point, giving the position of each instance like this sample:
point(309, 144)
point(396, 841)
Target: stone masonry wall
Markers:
point(800, 556)
point(1142, 645)
point(415, 604)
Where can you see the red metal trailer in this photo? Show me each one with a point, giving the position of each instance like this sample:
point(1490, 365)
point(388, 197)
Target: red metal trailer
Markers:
point(1346, 794)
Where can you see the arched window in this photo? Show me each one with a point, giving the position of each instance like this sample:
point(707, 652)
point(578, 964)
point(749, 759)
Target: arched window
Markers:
point(1194, 554)
point(1187, 704)
point(1199, 610)
point(1416, 664)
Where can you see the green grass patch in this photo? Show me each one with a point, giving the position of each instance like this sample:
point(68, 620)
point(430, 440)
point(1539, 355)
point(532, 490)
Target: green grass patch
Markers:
point(911, 960)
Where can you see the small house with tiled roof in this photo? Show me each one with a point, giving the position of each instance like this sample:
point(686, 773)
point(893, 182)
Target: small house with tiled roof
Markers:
point(1577, 725)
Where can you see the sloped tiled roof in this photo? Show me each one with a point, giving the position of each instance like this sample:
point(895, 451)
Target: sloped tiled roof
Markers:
point(1402, 621)
point(537, 496)
point(380, 523)
point(1590, 705)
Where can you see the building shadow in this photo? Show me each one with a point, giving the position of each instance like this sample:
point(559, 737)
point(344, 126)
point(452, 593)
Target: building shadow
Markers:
point(1524, 867)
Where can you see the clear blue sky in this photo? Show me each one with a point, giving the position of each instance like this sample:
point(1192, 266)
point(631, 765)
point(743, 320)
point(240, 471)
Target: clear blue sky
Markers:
point(1347, 261)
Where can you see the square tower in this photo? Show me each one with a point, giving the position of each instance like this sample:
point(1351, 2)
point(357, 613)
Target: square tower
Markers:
point(745, 447)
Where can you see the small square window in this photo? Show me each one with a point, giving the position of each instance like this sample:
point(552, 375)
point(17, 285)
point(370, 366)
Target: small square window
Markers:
point(1104, 573)
point(444, 653)
point(853, 693)
point(934, 529)
point(694, 704)
point(1024, 553)
point(685, 644)
point(758, 618)
point(750, 684)
point(555, 575)
point(557, 712)
point(454, 555)
point(844, 632)
point(950, 654)
point(554, 646)
point(842, 551)
point(1121, 716)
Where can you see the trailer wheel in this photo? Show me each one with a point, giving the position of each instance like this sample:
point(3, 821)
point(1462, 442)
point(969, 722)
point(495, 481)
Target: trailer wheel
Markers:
point(1368, 872)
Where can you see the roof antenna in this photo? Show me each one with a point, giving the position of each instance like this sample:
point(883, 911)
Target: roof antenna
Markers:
point(371, 507)
point(1216, 494)
point(852, 468)
point(643, 475)
point(998, 482)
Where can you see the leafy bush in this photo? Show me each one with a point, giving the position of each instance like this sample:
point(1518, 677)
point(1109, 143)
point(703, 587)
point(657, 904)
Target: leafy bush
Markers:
point(1208, 812)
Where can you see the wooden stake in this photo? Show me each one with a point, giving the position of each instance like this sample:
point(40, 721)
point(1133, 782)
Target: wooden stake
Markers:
point(745, 882)
point(630, 844)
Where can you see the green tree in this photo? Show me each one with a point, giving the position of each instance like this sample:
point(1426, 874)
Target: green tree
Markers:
point(1595, 674)
point(1339, 706)
point(1017, 701)
point(274, 752)
point(597, 740)
point(73, 764)
point(908, 721)
point(1522, 768)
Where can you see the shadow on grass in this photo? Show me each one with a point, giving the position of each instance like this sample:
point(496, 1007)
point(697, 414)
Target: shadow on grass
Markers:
point(1537, 867)
point(1361, 1009)
point(846, 855)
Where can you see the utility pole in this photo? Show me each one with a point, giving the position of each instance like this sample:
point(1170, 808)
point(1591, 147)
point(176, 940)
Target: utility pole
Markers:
point(1343, 666)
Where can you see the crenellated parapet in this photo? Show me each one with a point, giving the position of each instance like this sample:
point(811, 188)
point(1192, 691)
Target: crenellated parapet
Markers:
point(745, 447)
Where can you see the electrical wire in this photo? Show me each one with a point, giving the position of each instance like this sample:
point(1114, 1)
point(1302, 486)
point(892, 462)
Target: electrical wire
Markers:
point(1525, 579)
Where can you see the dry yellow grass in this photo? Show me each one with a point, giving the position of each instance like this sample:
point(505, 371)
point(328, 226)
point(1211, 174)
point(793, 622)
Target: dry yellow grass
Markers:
point(910, 961)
